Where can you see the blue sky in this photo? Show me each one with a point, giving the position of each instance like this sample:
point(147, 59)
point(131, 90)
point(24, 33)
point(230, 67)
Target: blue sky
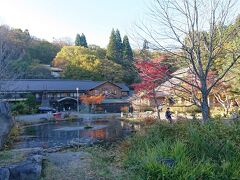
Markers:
point(50, 19)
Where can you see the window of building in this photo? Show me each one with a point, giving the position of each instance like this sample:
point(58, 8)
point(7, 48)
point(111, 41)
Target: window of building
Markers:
point(124, 93)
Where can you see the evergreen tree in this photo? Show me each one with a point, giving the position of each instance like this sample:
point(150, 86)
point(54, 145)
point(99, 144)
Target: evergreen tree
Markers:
point(83, 41)
point(77, 40)
point(145, 53)
point(127, 53)
point(112, 47)
point(145, 45)
point(119, 46)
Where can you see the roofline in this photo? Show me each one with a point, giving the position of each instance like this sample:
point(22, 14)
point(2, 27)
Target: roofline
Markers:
point(104, 83)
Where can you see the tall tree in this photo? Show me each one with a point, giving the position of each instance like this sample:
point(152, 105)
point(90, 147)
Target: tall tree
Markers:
point(112, 47)
point(78, 40)
point(83, 41)
point(152, 73)
point(127, 50)
point(10, 49)
point(202, 23)
point(85, 63)
point(119, 46)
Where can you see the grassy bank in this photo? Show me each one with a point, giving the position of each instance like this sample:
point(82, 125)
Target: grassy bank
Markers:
point(185, 150)
point(14, 133)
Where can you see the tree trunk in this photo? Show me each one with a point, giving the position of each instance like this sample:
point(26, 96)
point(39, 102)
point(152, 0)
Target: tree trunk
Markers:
point(205, 108)
point(156, 103)
point(158, 112)
point(226, 111)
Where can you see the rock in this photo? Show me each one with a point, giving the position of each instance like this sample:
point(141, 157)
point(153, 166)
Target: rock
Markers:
point(65, 159)
point(26, 170)
point(36, 159)
point(4, 174)
point(29, 169)
point(170, 162)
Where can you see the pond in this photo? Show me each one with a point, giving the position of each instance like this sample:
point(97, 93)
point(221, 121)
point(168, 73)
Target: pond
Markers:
point(62, 133)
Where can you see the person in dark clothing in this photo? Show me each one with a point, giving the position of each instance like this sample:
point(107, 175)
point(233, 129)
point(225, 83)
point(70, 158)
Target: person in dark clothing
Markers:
point(168, 115)
point(130, 109)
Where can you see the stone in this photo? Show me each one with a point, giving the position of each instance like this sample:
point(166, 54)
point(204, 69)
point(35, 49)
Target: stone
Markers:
point(26, 170)
point(170, 162)
point(36, 158)
point(4, 174)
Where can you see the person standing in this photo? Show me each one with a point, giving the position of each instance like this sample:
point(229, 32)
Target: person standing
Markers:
point(168, 115)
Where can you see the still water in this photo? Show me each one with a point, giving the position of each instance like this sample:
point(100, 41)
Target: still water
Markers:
point(62, 133)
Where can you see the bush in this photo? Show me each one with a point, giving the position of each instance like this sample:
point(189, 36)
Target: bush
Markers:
point(198, 151)
point(148, 109)
point(124, 109)
point(191, 109)
point(20, 108)
point(149, 120)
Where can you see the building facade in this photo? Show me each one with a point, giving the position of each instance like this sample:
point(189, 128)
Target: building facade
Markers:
point(64, 94)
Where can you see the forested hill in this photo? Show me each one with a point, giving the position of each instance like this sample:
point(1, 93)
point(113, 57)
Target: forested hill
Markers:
point(83, 61)
point(24, 54)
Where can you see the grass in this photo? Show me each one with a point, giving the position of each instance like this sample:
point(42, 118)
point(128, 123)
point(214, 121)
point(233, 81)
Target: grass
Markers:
point(103, 163)
point(209, 151)
point(10, 157)
point(74, 171)
point(14, 133)
point(107, 163)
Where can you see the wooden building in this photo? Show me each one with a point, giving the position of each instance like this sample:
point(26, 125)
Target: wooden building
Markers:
point(63, 94)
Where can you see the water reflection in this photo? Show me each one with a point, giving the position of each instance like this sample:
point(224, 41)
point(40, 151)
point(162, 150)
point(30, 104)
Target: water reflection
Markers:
point(63, 133)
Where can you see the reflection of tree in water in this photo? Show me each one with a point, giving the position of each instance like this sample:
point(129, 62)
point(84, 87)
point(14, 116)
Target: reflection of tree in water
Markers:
point(97, 134)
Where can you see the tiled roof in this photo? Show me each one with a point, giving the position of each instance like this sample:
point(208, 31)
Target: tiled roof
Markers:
point(52, 85)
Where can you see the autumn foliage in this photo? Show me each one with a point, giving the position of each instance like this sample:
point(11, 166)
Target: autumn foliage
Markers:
point(152, 74)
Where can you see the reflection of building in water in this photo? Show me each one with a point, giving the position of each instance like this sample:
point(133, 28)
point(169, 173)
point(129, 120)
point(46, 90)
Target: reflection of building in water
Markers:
point(133, 126)
point(98, 133)
point(54, 134)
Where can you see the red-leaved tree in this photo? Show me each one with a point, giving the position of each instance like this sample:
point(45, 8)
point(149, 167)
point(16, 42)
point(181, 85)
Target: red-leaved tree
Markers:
point(152, 74)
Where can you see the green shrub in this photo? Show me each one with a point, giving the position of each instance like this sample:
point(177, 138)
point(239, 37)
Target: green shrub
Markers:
point(191, 109)
point(20, 108)
point(209, 151)
point(148, 109)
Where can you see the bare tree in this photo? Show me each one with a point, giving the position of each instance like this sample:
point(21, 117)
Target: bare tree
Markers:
point(195, 32)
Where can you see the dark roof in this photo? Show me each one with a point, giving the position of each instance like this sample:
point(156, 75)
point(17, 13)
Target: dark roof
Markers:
point(52, 85)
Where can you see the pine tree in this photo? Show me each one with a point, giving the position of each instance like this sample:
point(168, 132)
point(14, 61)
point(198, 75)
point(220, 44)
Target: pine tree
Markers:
point(112, 47)
point(145, 45)
point(83, 41)
point(77, 40)
point(119, 46)
point(127, 53)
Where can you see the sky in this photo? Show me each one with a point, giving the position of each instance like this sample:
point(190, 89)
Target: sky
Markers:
point(49, 19)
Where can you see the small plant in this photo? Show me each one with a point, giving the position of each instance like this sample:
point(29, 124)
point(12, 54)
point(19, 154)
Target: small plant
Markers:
point(88, 127)
point(148, 109)
point(149, 120)
point(66, 115)
point(20, 108)
point(72, 118)
point(124, 109)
